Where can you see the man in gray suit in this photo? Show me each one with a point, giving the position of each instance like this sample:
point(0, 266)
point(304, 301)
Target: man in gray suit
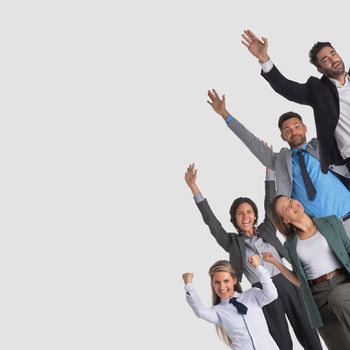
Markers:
point(298, 171)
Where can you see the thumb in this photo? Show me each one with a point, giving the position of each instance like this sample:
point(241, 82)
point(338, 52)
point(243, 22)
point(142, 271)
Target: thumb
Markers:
point(265, 41)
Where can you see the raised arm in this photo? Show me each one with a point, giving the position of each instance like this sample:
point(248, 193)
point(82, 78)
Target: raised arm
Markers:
point(270, 194)
point(215, 227)
point(208, 314)
point(289, 89)
point(255, 145)
point(290, 275)
point(268, 293)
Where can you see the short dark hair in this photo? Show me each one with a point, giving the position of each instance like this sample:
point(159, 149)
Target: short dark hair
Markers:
point(286, 116)
point(316, 49)
point(236, 203)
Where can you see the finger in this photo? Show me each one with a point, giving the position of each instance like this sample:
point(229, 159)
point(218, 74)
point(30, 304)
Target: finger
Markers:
point(210, 103)
point(245, 44)
point(264, 40)
point(223, 98)
point(211, 95)
point(251, 34)
point(247, 39)
point(216, 94)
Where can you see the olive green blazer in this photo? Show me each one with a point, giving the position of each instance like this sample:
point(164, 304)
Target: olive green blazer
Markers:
point(332, 229)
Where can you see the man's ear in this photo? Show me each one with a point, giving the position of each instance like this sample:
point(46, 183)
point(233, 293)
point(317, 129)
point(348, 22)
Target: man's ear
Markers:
point(282, 137)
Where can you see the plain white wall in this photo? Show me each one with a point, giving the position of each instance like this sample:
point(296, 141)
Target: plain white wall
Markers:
point(103, 106)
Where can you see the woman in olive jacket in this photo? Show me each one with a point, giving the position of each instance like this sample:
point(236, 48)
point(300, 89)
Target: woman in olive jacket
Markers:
point(319, 254)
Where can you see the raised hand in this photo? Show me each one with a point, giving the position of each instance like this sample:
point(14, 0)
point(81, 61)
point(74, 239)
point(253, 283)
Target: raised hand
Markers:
point(268, 257)
point(257, 47)
point(218, 105)
point(187, 277)
point(254, 260)
point(191, 177)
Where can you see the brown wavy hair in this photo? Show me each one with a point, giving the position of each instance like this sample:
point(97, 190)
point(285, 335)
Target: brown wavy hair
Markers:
point(287, 230)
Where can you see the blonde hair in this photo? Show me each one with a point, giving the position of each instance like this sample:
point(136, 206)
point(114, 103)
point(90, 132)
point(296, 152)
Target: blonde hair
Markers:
point(222, 266)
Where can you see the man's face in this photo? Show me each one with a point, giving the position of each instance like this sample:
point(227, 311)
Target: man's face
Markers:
point(330, 63)
point(293, 131)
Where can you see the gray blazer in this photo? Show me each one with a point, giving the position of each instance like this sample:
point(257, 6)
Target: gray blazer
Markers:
point(281, 162)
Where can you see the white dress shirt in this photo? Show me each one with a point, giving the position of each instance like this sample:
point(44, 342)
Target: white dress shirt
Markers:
point(247, 332)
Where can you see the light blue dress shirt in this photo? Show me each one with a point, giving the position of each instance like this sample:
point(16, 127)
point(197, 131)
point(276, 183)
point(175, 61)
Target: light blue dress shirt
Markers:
point(334, 202)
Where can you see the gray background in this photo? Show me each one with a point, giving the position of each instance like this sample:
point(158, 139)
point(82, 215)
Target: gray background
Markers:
point(103, 106)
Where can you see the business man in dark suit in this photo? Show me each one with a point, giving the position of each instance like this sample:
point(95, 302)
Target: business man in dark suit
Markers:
point(329, 96)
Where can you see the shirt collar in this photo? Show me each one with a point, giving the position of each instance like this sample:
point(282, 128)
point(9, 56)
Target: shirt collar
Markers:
point(295, 150)
point(226, 301)
point(336, 82)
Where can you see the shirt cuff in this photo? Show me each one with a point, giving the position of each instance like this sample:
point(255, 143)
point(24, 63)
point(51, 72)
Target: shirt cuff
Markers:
point(229, 119)
point(188, 288)
point(270, 175)
point(198, 197)
point(267, 66)
point(259, 271)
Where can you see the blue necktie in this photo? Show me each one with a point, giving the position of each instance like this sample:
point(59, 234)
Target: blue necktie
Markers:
point(310, 189)
point(241, 308)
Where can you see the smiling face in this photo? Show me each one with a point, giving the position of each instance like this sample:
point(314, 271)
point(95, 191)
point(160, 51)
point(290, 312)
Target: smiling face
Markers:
point(330, 63)
point(223, 284)
point(290, 210)
point(245, 217)
point(293, 131)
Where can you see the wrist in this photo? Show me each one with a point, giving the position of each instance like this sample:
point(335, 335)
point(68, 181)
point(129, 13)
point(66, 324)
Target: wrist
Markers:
point(225, 114)
point(264, 58)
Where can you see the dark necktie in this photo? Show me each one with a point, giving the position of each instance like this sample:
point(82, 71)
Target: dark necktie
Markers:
point(241, 308)
point(310, 189)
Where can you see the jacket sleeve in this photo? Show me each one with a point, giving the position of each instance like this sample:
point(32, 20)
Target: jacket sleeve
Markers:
point(270, 194)
point(208, 314)
point(215, 227)
point(344, 237)
point(291, 90)
point(268, 293)
point(264, 153)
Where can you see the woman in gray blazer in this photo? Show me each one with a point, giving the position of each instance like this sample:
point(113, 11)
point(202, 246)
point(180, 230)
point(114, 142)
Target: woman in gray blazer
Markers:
point(252, 239)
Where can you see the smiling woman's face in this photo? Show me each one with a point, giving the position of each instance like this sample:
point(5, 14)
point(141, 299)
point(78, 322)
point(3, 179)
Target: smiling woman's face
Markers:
point(245, 217)
point(289, 209)
point(224, 284)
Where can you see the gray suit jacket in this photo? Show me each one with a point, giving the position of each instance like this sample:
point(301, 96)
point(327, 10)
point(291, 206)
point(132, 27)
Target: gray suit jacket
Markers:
point(281, 162)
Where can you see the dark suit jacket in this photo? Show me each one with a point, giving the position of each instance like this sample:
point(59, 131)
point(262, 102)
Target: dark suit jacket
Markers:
point(233, 243)
point(322, 96)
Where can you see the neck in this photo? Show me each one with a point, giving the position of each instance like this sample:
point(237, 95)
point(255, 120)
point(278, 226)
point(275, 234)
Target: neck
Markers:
point(341, 78)
point(250, 233)
point(305, 226)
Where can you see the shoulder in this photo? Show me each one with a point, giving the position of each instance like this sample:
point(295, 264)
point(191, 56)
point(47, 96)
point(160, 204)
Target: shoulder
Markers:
point(326, 219)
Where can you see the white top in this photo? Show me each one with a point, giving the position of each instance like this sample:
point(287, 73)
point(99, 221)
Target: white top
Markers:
point(247, 332)
point(342, 130)
point(316, 256)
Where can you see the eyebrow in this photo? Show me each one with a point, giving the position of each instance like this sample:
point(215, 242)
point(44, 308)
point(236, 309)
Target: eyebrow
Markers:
point(324, 57)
